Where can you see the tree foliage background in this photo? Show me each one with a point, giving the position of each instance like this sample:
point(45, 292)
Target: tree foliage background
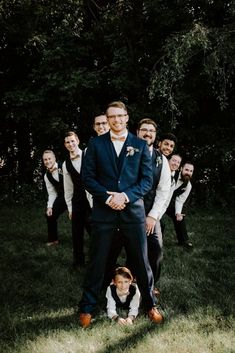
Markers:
point(173, 61)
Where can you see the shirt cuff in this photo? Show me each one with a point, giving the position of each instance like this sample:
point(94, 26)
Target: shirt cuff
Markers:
point(108, 200)
point(127, 198)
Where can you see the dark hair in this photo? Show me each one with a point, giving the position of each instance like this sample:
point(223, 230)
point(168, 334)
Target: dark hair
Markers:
point(97, 115)
point(187, 162)
point(123, 271)
point(146, 121)
point(168, 136)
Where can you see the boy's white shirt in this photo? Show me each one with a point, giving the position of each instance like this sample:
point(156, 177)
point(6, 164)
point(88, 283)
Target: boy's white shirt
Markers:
point(51, 191)
point(68, 184)
point(134, 304)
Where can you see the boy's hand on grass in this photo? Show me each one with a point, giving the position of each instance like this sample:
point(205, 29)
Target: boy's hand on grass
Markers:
point(121, 321)
point(129, 321)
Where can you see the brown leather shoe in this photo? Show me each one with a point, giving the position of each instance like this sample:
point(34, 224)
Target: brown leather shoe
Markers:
point(156, 292)
point(155, 315)
point(51, 243)
point(85, 319)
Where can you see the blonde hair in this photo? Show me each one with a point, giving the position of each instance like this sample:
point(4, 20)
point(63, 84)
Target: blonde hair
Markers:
point(71, 133)
point(48, 151)
point(116, 104)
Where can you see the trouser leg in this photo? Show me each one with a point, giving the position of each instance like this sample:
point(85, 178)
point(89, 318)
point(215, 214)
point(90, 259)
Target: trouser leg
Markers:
point(102, 236)
point(59, 206)
point(181, 231)
point(136, 243)
point(155, 253)
point(116, 247)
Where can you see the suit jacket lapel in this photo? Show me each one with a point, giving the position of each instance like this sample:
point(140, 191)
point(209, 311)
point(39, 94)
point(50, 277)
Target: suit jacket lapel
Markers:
point(109, 148)
point(123, 153)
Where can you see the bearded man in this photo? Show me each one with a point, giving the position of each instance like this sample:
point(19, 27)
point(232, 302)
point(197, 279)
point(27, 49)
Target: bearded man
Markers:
point(182, 190)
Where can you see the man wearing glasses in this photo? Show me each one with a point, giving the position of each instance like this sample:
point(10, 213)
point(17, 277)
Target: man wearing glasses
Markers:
point(117, 172)
point(155, 199)
point(101, 125)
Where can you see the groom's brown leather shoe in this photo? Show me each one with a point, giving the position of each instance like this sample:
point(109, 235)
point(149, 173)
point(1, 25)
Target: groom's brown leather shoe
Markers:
point(85, 319)
point(155, 316)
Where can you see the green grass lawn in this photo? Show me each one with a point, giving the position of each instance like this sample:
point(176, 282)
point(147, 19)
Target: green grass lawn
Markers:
point(40, 292)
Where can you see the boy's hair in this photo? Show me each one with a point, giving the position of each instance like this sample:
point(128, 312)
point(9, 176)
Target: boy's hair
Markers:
point(168, 136)
point(146, 121)
point(71, 133)
point(124, 272)
point(117, 104)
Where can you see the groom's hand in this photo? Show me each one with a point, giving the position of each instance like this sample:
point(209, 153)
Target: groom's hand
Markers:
point(117, 201)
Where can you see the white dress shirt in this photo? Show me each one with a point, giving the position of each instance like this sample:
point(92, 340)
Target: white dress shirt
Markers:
point(51, 190)
point(162, 191)
point(180, 200)
point(68, 183)
point(117, 143)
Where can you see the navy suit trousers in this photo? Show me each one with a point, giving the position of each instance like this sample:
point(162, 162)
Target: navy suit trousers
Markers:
point(136, 243)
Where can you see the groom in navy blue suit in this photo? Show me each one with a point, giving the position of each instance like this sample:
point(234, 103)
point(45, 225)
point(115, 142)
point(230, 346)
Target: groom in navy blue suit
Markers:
point(117, 172)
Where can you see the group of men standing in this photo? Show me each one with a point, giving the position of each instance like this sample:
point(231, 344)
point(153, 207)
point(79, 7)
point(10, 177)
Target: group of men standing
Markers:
point(132, 185)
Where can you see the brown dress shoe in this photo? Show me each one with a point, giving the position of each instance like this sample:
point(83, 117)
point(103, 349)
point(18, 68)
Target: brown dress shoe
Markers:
point(85, 319)
point(156, 292)
point(52, 243)
point(155, 315)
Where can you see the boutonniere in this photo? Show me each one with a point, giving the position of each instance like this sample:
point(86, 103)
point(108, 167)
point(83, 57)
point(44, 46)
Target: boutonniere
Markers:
point(131, 151)
point(60, 171)
point(158, 161)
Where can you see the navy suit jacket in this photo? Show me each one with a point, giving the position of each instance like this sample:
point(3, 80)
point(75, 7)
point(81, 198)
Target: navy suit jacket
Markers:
point(103, 171)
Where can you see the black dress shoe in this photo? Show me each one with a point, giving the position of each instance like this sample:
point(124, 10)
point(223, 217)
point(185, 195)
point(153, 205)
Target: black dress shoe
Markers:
point(78, 264)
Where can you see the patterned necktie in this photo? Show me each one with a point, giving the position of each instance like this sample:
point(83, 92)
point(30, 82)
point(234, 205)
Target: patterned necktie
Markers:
point(75, 157)
point(121, 138)
point(52, 169)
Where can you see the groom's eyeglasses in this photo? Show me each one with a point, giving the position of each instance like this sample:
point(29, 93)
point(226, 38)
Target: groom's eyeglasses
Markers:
point(101, 123)
point(116, 116)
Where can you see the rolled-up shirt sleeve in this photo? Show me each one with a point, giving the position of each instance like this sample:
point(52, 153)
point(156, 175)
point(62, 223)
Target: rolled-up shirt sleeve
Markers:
point(135, 303)
point(51, 191)
point(180, 200)
point(162, 191)
point(68, 188)
point(111, 304)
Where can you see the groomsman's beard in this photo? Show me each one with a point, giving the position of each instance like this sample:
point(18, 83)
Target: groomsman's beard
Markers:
point(186, 177)
point(151, 142)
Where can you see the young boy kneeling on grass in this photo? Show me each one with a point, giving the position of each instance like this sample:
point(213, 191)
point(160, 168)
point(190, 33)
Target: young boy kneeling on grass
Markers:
point(123, 297)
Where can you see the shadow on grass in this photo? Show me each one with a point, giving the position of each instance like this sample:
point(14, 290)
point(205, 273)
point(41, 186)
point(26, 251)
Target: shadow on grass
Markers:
point(133, 339)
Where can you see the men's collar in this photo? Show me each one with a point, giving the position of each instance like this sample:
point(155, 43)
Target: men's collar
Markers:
point(77, 155)
point(54, 168)
point(118, 136)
